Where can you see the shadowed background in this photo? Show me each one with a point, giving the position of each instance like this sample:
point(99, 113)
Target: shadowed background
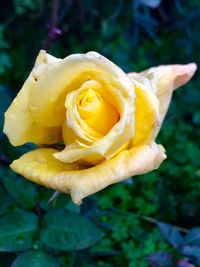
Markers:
point(152, 220)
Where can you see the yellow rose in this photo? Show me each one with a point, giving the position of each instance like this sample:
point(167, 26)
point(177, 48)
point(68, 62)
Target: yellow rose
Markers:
point(103, 121)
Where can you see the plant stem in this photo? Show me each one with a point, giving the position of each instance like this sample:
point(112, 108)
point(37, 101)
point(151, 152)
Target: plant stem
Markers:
point(52, 28)
point(150, 219)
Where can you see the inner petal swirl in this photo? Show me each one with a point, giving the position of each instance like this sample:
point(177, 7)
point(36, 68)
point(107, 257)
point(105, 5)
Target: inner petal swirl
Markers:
point(100, 115)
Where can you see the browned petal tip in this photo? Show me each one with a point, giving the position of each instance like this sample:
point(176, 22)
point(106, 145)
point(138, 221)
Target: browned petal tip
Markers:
point(192, 67)
point(183, 73)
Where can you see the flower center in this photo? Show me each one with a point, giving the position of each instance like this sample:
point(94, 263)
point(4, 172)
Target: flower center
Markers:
point(100, 115)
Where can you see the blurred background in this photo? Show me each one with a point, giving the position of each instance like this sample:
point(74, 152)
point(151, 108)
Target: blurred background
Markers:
point(151, 220)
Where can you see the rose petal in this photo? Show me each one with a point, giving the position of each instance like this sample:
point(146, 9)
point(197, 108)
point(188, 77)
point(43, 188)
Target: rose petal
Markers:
point(163, 80)
point(146, 114)
point(41, 167)
point(19, 125)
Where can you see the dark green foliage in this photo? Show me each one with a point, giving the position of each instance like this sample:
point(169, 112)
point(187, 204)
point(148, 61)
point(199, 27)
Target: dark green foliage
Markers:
point(193, 237)
point(160, 259)
point(4, 103)
point(22, 191)
point(171, 234)
point(35, 259)
point(192, 252)
point(18, 231)
point(64, 230)
point(134, 34)
point(5, 201)
point(189, 245)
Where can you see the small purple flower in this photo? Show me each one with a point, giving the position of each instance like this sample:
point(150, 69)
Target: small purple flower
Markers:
point(56, 32)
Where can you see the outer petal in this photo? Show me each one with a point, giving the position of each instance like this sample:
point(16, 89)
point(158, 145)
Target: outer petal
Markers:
point(146, 115)
point(163, 80)
point(41, 167)
point(19, 125)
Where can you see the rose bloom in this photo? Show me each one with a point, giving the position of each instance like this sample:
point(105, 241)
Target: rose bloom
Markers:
point(94, 124)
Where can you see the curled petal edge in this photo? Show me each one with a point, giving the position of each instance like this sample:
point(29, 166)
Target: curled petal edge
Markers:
point(19, 125)
point(163, 80)
point(41, 167)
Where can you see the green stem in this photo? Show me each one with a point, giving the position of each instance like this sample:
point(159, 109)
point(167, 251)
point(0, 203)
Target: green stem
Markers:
point(149, 219)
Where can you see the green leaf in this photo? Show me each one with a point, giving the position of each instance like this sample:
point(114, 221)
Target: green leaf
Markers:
point(62, 201)
point(193, 237)
point(21, 6)
point(5, 201)
point(17, 231)
point(4, 103)
point(5, 62)
point(196, 118)
point(3, 41)
point(171, 234)
point(21, 190)
point(35, 259)
point(192, 252)
point(64, 230)
point(151, 3)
